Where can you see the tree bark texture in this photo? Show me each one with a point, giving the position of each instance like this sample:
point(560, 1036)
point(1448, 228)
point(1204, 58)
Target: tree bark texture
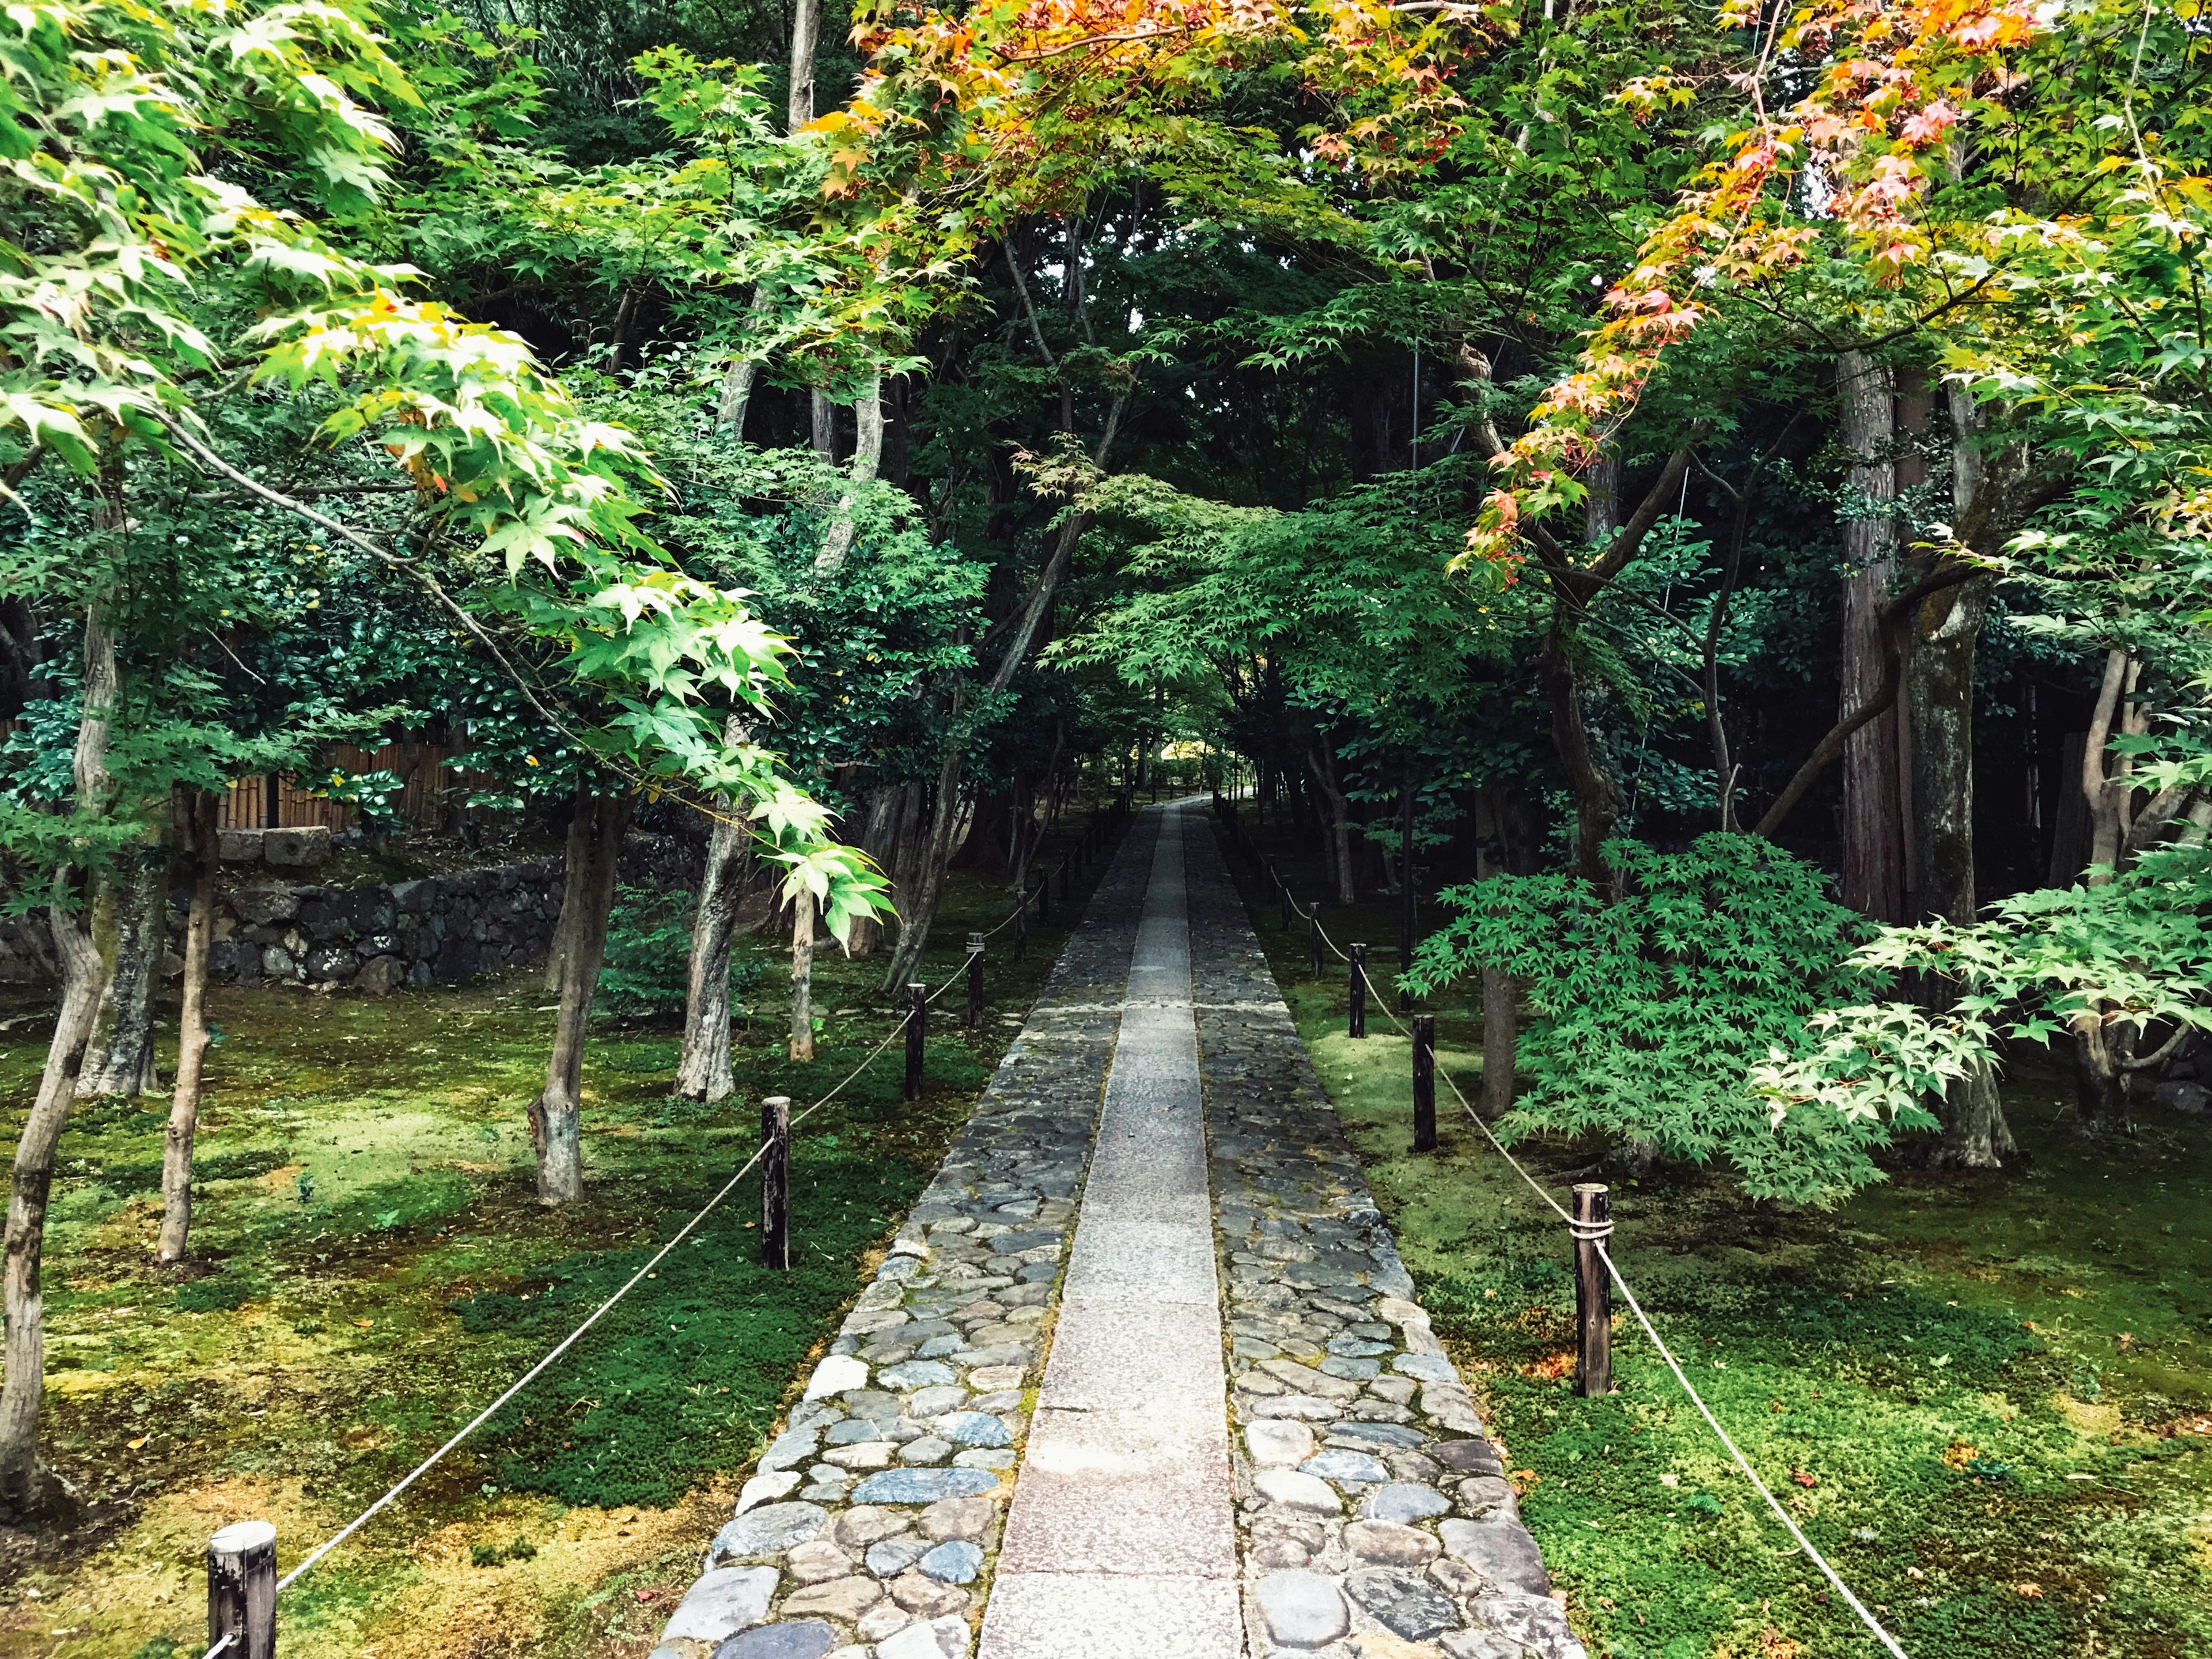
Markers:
point(557, 1115)
point(878, 840)
point(703, 1071)
point(1874, 850)
point(23, 1485)
point(1501, 1041)
point(119, 1057)
point(573, 860)
point(802, 977)
point(1322, 760)
point(918, 907)
point(198, 817)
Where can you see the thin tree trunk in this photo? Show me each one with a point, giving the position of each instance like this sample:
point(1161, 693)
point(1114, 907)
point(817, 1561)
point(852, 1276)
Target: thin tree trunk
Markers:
point(868, 458)
point(23, 1389)
point(197, 814)
point(1874, 871)
point(802, 977)
point(1322, 761)
point(878, 841)
point(120, 1058)
point(934, 854)
point(1975, 1133)
point(703, 1071)
point(557, 1115)
point(574, 861)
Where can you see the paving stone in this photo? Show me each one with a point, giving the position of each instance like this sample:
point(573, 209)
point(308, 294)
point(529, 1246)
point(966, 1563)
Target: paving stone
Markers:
point(818, 1562)
point(1297, 1492)
point(1401, 1501)
point(835, 1374)
point(1470, 1456)
point(1502, 1552)
point(1346, 1465)
point(935, 1402)
point(973, 1429)
point(1387, 1544)
point(1302, 1609)
point(769, 1530)
point(864, 1525)
point(916, 1374)
point(1405, 1602)
point(807, 1639)
point(895, 1555)
point(923, 1485)
point(938, 1638)
point(721, 1603)
point(840, 1598)
point(956, 1561)
point(968, 1518)
point(1376, 1435)
point(1278, 1442)
point(1534, 1621)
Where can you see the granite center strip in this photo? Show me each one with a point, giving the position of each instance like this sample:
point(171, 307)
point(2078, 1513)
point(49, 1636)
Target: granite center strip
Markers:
point(1120, 1540)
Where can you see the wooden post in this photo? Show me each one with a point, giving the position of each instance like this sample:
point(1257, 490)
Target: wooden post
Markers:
point(1592, 1223)
point(1424, 1083)
point(1313, 938)
point(1044, 900)
point(917, 1016)
point(775, 1182)
point(241, 1574)
point(1359, 1024)
point(975, 980)
point(1022, 928)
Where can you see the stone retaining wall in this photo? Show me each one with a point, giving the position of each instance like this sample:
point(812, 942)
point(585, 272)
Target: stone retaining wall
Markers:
point(378, 938)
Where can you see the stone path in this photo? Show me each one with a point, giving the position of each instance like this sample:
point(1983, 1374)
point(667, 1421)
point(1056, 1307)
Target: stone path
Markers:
point(1158, 1106)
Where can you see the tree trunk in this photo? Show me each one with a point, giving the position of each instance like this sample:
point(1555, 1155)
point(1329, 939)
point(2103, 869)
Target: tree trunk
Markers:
point(23, 1389)
point(703, 1072)
point(2101, 1072)
point(933, 854)
point(1598, 808)
point(802, 976)
point(1322, 760)
point(198, 816)
point(573, 865)
point(557, 1115)
point(878, 840)
point(868, 458)
point(1874, 868)
point(119, 1057)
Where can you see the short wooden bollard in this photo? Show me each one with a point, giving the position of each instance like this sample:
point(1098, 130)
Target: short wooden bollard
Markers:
point(1357, 1023)
point(975, 980)
point(775, 1182)
point(241, 1574)
point(917, 1015)
point(1592, 1226)
point(1022, 928)
point(1424, 1083)
point(1313, 939)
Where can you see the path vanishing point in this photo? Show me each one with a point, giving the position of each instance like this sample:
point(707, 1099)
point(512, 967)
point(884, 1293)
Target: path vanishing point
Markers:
point(1142, 1376)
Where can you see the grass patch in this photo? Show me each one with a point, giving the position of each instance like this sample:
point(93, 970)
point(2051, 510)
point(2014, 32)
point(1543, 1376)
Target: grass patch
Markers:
point(371, 1267)
point(1987, 1399)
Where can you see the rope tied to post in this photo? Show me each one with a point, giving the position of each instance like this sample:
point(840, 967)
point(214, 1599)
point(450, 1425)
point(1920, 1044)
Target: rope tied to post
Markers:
point(1590, 1232)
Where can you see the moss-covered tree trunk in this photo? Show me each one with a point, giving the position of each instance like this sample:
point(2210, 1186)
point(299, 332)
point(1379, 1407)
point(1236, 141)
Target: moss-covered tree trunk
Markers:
point(557, 1115)
point(120, 1056)
point(23, 1485)
point(197, 819)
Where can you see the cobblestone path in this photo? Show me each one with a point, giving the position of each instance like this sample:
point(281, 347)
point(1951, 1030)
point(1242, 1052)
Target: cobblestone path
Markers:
point(1223, 1431)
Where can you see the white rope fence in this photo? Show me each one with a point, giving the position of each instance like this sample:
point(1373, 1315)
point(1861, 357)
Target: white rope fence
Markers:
point(1596, 1234)
point(598, 1313)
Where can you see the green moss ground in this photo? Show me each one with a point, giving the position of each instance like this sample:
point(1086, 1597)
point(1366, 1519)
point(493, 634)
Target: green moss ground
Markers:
point(1988, 1399)
point(373, 1269)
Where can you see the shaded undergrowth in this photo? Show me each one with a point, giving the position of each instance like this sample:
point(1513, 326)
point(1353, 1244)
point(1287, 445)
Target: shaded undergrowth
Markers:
point(371, 1269)
point(1986, 1398)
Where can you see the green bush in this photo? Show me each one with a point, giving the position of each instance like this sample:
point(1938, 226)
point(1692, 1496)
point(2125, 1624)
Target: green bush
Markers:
point(647, 968)
point(1651, 1009)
